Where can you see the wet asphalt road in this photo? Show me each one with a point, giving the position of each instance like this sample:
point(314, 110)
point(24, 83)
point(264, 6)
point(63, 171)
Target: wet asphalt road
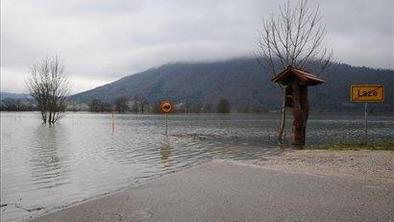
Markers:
point(225, 191)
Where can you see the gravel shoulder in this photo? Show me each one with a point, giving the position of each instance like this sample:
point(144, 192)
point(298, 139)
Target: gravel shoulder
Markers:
point(370, 166)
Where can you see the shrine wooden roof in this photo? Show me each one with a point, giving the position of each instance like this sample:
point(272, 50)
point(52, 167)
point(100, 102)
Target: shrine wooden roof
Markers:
point(291, 73)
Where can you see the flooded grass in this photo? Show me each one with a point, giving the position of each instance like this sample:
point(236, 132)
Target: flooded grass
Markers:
point(387, 145)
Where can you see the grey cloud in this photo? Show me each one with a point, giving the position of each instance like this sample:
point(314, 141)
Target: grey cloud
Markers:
point(103, 40)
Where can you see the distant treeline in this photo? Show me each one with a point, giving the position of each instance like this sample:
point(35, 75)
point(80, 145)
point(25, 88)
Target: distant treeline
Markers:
point(140, 104)
point(9, 104)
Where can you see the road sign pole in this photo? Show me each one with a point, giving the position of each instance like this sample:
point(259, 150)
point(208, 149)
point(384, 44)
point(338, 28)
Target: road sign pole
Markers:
point(367, 93)
point(166, 107)
point(113, 122)
point(165, 116)
point(366, 121)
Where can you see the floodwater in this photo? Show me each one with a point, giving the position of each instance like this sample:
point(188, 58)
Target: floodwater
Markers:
point(86, 155)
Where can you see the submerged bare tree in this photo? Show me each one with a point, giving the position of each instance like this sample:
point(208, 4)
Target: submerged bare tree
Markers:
point(293, 38)
point(49, 87)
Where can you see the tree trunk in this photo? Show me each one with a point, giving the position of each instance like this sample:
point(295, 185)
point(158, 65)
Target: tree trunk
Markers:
point(50, 117)
point(300, 112)
point(44, 117)
point(283, 118)
point(305, 111)
point(54, 117)
point(297, 114)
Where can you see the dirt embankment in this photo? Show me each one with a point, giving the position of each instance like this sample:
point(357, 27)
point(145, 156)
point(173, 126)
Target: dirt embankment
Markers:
point(372, 166)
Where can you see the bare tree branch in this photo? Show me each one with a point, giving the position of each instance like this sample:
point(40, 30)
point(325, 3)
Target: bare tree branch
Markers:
point(293, 37)
point(49, 87)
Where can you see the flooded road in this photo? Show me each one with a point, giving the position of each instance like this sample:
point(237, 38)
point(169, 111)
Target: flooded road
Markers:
point(86, 155)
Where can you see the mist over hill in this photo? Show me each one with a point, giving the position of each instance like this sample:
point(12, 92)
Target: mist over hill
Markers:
point(7, 95)
point(244, 83)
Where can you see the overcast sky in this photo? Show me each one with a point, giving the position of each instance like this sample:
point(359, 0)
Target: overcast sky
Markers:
point(100, 41)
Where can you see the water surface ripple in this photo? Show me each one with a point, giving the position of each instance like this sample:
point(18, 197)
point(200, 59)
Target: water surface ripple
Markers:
point(86, 155)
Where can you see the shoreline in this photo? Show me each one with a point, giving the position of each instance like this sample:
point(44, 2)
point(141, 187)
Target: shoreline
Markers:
point(365, 165)
point(360, 167)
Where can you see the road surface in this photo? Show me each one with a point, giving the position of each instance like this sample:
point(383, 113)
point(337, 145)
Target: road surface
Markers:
point(228, 191)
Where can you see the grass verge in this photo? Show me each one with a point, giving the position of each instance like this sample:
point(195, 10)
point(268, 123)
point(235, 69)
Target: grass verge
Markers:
point(383, 145)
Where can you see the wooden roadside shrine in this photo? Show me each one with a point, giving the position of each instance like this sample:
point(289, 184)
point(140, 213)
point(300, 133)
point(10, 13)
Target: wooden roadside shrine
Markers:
point(297, 82)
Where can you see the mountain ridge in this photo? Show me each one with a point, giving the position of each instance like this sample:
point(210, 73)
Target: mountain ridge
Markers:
point(242, 81)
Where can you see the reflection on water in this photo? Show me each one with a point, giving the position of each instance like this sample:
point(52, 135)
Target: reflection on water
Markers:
point(86, 155)
point(165, 153)
point(49, 165)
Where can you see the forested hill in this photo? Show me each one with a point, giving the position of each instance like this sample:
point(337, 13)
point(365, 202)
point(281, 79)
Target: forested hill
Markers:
point(244, 83)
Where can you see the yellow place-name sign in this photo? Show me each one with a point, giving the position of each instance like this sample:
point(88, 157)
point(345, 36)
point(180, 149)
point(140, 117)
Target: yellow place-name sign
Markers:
point(367, 93)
